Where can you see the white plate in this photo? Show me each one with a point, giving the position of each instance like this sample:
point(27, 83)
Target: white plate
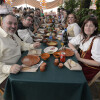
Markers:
point(37, 40)
point(50, 49)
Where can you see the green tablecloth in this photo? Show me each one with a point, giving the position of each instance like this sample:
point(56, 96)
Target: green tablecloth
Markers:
point(53, 84)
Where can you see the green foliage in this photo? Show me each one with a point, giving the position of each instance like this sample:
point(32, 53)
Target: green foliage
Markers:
point(98, 12)
point(83, 14)
point(71, 5)
point(77, 7)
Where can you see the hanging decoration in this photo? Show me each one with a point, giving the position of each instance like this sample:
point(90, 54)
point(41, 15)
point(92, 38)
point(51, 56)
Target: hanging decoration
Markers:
point(93, 6)
point(42, 4)
point(9, 2)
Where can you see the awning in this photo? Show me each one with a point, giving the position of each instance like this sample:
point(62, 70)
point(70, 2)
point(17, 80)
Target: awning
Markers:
point(36, 3)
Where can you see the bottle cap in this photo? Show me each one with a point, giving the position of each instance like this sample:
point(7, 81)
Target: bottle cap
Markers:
point(65, 29)
point(50, 37)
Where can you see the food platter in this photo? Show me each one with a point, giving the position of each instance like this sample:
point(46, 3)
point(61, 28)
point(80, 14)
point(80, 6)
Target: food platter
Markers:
point(52, 43)
point(68, 52)
point(30, 60)
point(50, 49)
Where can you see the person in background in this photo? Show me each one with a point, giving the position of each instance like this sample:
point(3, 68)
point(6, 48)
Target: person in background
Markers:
point(10, 48)
point(24, 31)
point(33, 27)
point(58, 15)
point(63, 15)
point(73, 29)
point(38, 20)
point(88, 54)
point(4, 9)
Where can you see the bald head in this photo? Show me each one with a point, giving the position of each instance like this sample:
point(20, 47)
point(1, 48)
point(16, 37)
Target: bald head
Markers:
point(8, 16)
point(9, 24)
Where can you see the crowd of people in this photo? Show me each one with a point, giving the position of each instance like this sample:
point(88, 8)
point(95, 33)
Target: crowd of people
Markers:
point(17, 30)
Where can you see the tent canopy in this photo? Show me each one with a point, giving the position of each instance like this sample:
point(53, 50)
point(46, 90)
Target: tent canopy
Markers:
point(36, 3)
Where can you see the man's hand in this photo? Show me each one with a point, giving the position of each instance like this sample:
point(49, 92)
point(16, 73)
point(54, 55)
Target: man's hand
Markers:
point(15, 68)
point(36, 44)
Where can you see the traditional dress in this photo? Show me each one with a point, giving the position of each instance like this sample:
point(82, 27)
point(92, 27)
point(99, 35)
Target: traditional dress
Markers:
point(73, 30)
point(89, 50)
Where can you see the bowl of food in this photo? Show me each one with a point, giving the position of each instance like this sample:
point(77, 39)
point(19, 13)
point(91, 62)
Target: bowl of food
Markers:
point(45, 56)
point(51, 43)
point(56, 54)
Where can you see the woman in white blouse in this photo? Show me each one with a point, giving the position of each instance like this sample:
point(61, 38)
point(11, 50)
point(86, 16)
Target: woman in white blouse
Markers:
point(73, 28)
point(89, 45)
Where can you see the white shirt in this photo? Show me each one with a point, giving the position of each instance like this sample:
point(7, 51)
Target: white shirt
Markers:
point(76, 29)
point(10, 52)
point(95, 51)
point(25, 35)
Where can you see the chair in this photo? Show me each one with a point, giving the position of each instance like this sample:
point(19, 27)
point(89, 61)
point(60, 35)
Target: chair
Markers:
point(1, 91)
point(96, 78)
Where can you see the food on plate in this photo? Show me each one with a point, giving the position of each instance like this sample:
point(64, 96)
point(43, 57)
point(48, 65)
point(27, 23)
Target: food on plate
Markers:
point(60, 65)
point(56, 54)
point(45, 56)
point(50, 52)
point(68, 52)
point(42, 66)
point(52, 43)
point(52, 48)
point(56, 62)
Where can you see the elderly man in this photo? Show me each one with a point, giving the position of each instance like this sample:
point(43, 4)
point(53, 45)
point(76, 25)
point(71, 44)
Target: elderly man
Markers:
point(10, 47)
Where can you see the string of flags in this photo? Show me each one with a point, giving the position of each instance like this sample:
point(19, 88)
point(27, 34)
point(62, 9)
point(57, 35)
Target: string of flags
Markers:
point(42, 4)
point(9, 2)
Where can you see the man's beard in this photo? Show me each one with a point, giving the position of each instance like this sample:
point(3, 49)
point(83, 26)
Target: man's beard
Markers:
point(11, 33)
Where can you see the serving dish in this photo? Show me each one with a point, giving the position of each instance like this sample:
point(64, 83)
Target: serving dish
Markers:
point(45, 56)
point(50, 49)
point(30, 60)
point(51, 43)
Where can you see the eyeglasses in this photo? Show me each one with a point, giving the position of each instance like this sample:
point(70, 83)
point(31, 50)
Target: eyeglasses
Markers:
point(30, 20)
